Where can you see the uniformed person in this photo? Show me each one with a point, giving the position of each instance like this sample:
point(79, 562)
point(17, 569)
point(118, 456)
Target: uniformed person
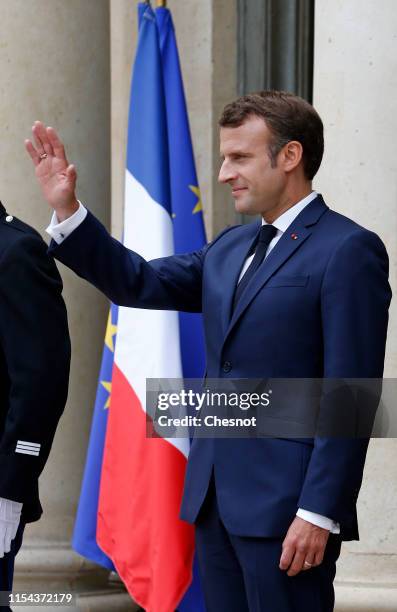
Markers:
point(34, 373)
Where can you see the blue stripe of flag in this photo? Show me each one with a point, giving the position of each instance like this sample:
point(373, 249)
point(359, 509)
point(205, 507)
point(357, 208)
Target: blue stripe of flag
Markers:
point(147, 147)
point(84, 534)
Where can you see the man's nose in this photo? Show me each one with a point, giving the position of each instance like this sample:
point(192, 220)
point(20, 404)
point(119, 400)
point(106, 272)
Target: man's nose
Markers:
point(226, 173)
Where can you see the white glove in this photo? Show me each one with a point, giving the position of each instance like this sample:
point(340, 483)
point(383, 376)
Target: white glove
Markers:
point(10, 516)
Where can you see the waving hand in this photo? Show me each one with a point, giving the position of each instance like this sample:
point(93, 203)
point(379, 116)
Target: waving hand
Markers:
point(56, 177)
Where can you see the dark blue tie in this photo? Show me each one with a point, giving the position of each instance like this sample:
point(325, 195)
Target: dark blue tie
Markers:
point(265, 235)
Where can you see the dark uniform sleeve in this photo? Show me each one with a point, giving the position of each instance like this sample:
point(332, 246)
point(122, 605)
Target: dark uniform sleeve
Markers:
point(35, 356)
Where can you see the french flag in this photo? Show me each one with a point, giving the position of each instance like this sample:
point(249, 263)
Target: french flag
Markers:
point(142, 478)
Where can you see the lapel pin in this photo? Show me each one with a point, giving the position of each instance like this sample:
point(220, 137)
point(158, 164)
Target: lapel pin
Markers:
point(294, 236)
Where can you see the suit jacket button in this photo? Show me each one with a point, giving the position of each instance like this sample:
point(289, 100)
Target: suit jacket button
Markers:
point(9, 218)
point(227, 366)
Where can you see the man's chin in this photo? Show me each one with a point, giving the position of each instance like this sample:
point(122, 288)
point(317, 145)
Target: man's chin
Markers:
point(244, 208)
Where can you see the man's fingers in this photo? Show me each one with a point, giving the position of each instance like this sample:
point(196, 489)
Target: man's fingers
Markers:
point(303, 542)
point(37, 141)
point(319, 556)
point(286, 557)
point(40, 131)
point(41, 138)
point(297, 563)
point(56, 144)
point(309, 562)
point(32, 152)
point(46, 140)
point(71, 172)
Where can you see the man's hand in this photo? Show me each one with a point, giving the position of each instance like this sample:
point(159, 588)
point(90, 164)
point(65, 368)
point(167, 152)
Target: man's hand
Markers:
point(10, 515)
point(303, 546)
point(57, 178)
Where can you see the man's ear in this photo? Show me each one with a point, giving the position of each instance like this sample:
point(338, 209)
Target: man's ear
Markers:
point(291, 155)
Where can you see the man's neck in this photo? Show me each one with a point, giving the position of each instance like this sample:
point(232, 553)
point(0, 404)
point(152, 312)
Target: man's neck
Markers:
point(285, 203)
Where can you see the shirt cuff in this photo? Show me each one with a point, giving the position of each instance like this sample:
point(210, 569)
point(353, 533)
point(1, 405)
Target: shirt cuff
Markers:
point(60, 231)
point(319, 520)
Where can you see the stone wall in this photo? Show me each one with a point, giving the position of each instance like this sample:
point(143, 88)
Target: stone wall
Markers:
point(355, 91)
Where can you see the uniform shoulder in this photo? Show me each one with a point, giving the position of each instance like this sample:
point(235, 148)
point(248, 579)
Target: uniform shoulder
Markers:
point(14, 232)
point(12, 227)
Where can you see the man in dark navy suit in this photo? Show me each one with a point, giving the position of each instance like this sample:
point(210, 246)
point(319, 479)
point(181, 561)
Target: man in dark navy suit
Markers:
point(303, 293)
point(34, 374)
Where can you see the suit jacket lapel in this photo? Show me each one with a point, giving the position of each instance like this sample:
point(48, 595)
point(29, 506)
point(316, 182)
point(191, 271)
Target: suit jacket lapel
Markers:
point(236, 256)
point(301, 227)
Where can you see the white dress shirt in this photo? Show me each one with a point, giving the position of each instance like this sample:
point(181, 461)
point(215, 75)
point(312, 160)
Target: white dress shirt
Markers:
point(60, 231)
point(281, 224)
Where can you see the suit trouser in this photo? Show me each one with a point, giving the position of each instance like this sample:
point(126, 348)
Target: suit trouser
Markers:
point(7, 564)
point(241, 574)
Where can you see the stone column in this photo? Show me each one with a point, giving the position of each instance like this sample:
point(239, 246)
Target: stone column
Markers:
point(355, 89)
point(54, 66)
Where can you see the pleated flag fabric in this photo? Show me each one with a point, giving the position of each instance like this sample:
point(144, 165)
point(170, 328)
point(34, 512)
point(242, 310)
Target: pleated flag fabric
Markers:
point(142, 478)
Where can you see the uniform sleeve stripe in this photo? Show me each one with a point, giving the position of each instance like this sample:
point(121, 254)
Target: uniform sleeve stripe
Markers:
point(24, 451)
point(35, 448)
point(28, 444)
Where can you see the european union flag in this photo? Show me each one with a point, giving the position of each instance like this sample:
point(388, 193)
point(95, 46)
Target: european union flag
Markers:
point(84, 536)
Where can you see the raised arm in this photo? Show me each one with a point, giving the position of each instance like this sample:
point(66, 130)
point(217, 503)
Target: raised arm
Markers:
point(169, 283)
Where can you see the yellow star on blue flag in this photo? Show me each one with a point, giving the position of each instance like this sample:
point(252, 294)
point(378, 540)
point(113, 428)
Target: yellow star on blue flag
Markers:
point(108, 386)
point(199, 204)
point(111, 331)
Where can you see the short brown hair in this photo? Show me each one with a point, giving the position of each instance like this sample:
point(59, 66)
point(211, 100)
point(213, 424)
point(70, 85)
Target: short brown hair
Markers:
point(288, 117)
